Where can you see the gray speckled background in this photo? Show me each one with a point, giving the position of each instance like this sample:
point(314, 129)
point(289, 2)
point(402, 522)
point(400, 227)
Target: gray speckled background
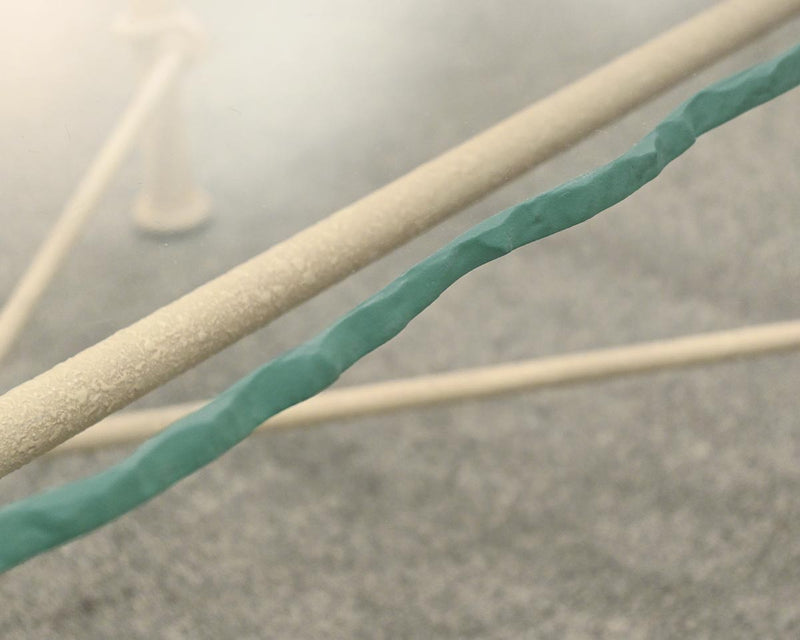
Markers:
point(662, 506)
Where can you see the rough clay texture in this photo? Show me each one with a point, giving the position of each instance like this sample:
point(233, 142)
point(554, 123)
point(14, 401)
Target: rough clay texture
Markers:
point(662, 506)
point(47, 411)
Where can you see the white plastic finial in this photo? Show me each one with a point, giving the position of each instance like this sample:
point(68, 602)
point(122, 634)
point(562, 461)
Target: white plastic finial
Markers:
point(170, 201)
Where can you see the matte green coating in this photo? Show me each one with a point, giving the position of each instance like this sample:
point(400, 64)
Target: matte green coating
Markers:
point(38, 523)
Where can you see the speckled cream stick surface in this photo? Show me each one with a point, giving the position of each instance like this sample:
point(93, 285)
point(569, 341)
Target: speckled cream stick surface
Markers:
point(47, 410)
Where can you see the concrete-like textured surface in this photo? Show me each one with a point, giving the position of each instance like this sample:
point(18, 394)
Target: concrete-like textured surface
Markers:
point(662, 506)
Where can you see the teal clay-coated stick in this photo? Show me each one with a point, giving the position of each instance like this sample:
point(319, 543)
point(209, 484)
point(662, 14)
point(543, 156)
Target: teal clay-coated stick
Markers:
point(43, 521)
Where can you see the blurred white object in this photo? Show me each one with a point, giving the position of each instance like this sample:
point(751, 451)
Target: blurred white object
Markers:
point(169, 201)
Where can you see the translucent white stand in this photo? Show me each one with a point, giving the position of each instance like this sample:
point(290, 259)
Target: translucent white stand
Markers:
point(170, 201)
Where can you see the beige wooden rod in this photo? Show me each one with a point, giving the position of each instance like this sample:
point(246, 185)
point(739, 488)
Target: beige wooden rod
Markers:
point(386, 397)
point(54, 406)
point(85, 198)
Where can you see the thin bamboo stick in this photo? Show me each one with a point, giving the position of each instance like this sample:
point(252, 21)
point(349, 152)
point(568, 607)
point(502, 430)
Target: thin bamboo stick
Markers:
point(49, 409)
point(85, 198)
point(469, 384)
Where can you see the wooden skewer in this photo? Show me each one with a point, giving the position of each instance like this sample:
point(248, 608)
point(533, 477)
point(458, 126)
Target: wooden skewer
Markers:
point(49, 409)
point(84, 201)
point(386, 397)
point(169, 200)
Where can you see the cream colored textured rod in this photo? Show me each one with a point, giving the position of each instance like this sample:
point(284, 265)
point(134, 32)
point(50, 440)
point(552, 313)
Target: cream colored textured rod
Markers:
point(85, 198)
point(385, 397)
point(49, 409)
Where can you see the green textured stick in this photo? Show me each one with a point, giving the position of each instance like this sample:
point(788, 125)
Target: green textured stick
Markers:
point(41, 522)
